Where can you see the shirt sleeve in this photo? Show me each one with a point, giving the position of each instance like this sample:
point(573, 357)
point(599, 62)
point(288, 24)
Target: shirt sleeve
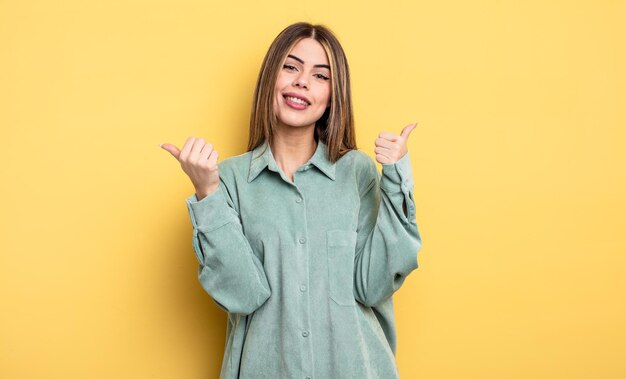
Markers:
point(228, 269)
point(387, 238)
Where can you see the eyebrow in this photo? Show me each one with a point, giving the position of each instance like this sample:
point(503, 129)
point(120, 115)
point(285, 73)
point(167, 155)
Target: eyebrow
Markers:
point(301, 61)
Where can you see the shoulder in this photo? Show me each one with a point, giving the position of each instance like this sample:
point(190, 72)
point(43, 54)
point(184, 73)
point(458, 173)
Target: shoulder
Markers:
point(235, 167)
point(236, 164)
point(362, 166)
point(359, 161)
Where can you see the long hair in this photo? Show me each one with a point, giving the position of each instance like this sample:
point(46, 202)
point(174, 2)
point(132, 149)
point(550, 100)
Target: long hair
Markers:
point(336, 126)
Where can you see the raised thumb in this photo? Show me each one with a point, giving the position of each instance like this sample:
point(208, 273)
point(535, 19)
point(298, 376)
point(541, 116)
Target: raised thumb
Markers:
point(407, 130)
point(171, 149)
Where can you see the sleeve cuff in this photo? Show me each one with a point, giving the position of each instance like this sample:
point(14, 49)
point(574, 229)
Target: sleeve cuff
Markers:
point(211, 212)
point(398, 176)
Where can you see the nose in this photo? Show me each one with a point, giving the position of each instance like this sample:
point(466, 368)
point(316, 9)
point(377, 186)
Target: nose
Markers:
point(301, 82)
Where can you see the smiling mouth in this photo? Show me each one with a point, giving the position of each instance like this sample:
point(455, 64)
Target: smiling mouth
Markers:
point(296, 100)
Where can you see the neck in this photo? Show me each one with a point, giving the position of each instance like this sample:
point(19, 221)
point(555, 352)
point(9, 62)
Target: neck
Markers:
point(292, 147)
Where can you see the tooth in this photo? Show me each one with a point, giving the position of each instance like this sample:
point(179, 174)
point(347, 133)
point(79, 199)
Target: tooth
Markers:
point(297, 100)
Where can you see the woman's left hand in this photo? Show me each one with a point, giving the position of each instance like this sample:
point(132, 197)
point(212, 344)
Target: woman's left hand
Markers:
point(390, 148)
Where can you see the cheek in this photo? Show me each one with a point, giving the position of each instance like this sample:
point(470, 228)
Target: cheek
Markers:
point(275, 107)
point(327, 96)
point(281, 82)
point(276, 96)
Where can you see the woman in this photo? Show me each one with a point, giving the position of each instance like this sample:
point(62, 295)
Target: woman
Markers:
point(300, 239)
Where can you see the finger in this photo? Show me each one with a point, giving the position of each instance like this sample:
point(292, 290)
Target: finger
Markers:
point(205, 152)
point(184, 152)
point(196, 148)
point(213, 159)
point(387, 153)
point(382, 159)
point(407, 130)
point(383, 151)
point(388, 136)
point(171, 149)
point(385, 143)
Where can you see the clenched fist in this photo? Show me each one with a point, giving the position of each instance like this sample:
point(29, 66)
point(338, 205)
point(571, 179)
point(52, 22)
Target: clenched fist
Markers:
point(390, 147)
point(199, 161)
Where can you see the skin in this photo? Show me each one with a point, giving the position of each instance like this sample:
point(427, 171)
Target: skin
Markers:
point(302, 74)
point(293, 143)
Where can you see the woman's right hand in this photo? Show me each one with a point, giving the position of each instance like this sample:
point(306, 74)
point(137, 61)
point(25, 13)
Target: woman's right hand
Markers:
point(199, 161)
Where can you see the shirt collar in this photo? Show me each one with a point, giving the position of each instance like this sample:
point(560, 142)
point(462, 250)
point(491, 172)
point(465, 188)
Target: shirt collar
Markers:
point(262, 157)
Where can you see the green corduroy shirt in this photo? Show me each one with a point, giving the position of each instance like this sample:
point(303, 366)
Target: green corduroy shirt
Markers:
point(306, 269)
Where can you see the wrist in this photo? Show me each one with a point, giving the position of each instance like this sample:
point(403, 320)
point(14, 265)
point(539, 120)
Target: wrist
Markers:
point(204, 192)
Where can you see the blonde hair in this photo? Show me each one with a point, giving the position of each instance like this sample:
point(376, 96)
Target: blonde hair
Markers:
point(336, 126)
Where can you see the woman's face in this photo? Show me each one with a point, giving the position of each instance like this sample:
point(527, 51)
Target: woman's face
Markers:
point(302, 90)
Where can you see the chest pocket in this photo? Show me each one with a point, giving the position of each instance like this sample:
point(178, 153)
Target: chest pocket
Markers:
point(340, 247)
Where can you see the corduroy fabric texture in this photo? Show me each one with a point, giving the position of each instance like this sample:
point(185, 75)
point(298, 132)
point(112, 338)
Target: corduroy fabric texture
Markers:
point(306, 269)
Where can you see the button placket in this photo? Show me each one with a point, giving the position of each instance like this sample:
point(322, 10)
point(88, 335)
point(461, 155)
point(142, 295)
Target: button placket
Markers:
point(302, 242)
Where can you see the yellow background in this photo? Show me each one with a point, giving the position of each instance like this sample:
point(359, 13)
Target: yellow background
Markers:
point(519, 162)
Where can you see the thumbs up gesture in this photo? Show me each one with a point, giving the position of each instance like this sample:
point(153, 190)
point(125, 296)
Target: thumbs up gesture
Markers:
point(390, 148)
point(199, 161)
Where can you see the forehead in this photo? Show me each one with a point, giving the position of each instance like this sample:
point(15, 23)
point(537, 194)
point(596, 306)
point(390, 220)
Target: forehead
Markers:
point(310, 51)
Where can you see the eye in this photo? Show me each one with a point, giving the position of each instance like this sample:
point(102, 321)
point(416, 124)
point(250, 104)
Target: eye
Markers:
point(289, 67)
point(321, 76)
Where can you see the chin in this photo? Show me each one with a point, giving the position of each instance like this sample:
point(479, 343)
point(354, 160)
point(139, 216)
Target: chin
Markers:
point(290, 124)
point(297, 122)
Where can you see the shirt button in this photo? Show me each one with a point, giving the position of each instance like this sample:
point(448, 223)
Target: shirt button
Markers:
point(298, 200)
point(305, 334)
point(303, 288)
point(302, 240)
